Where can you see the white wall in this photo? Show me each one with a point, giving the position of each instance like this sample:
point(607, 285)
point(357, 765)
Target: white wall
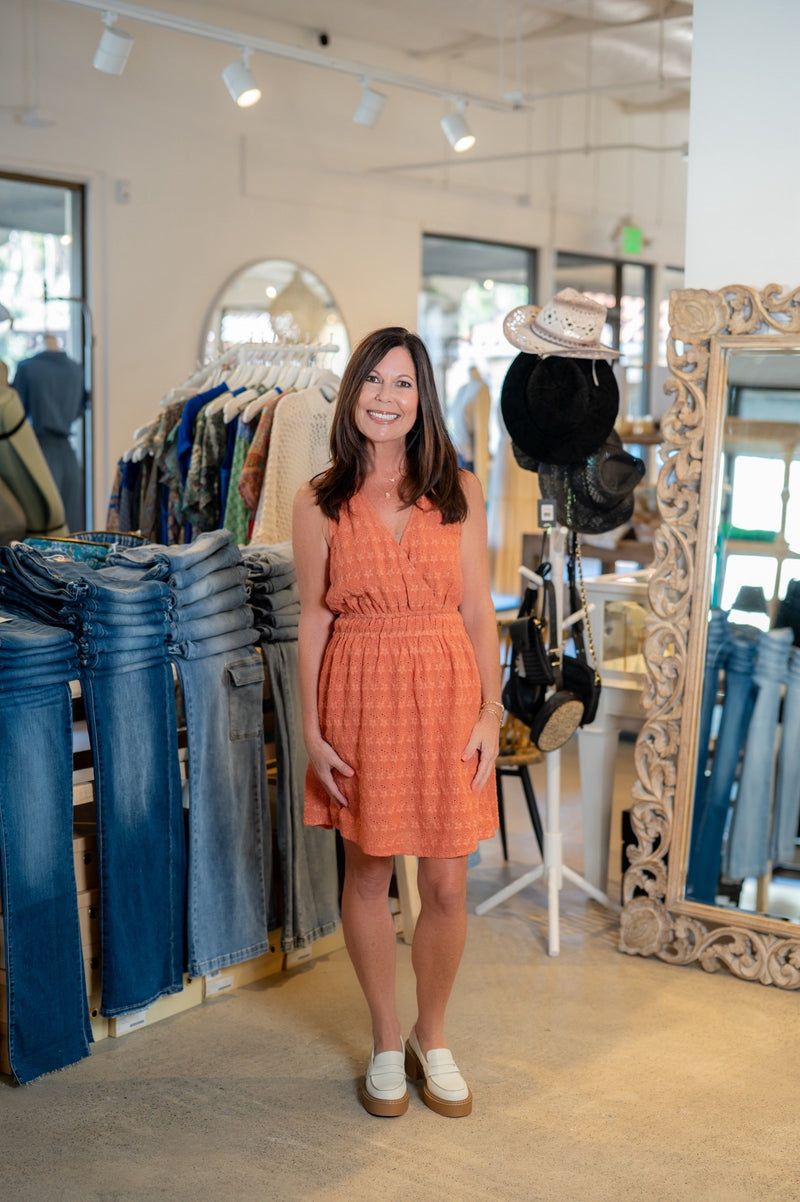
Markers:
point(744, 170)
point(212, 187)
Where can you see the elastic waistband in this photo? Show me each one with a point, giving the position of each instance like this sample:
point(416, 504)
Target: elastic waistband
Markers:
point(398, 624)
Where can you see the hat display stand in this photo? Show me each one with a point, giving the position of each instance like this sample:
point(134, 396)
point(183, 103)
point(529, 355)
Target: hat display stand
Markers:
point(552, 870)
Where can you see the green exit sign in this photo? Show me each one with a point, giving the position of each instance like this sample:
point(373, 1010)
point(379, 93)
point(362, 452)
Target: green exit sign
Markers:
point(631, 240)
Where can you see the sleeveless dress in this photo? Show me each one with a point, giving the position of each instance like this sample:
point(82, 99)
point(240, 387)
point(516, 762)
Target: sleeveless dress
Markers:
point(399, 690)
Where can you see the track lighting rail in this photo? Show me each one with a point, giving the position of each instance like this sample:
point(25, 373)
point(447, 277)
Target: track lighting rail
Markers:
point(299, 54)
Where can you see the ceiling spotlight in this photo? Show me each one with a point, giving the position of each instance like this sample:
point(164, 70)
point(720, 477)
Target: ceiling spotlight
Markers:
point(457, 130)
point(239, 81)
point(114, 47)
point(370, 106)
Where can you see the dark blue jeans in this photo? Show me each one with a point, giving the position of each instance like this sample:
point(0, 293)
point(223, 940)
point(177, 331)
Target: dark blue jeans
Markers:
point(48, 1016)
point(130, 709)
point(708, 828)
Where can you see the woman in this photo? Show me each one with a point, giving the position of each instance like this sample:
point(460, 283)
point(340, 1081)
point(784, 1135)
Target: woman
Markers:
point(399, 681)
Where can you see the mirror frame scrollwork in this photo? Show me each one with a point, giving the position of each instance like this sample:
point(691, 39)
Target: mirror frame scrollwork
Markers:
point(656, 920)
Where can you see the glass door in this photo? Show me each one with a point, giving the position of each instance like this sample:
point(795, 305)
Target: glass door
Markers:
point(42, 285)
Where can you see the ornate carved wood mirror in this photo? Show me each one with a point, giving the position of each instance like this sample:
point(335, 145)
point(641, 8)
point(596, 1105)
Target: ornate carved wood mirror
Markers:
point(714, 874)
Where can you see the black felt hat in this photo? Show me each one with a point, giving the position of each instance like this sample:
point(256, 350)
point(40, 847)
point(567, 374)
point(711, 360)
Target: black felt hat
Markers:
point(557, 409)
point(596, 495)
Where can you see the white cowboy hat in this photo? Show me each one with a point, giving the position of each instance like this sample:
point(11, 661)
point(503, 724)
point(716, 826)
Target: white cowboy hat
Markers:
point(570, 324)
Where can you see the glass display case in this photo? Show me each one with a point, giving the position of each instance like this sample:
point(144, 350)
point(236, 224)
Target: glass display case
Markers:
point(618, 623)
point(618, 617)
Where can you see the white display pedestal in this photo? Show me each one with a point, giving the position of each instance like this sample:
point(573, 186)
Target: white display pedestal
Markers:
point(620, 707)
point(553, 870)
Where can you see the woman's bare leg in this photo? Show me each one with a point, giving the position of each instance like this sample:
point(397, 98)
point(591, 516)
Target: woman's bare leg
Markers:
point(371, 940)
point(438, 944)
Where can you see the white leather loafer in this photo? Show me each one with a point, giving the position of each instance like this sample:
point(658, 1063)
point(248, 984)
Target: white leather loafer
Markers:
point(383, 1091)
point(446, 1092)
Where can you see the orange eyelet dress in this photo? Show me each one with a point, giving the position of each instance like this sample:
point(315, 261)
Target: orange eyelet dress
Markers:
point(399, 690)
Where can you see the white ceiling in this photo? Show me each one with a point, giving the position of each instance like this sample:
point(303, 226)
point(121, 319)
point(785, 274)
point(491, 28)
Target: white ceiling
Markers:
point(640, 49)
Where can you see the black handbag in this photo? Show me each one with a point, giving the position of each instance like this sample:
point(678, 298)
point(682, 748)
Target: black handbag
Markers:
point(554, 718)
point(579, 675)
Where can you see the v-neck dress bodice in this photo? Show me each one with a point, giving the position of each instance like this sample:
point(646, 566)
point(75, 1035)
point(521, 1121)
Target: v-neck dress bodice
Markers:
point(399, 690)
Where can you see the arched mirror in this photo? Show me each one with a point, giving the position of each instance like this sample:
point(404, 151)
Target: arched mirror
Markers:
point(275, 300)
point(714, 875)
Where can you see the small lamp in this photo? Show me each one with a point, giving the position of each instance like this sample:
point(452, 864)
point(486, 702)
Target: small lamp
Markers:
point(751, 600)
point(750, 607)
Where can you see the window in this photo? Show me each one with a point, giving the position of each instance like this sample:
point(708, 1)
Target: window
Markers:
point(624, 288)
point(467, 290)
point(42, 284)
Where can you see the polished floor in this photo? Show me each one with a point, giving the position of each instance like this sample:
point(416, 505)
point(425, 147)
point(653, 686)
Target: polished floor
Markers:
point(597, 1077)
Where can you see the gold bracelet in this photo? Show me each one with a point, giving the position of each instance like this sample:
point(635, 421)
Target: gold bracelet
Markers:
point(488, 705)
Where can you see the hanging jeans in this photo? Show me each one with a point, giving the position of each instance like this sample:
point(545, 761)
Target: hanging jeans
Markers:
point(708, 827)
point(786, 814)
point(309, 870)
point(230, 841)
point(717, 650)
point(229, 853)
point(129, 697)
point(747, 850)
point(47, 1012)
point(130, 710)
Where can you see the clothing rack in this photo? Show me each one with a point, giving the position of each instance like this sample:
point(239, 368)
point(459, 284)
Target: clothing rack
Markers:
point(553, 869)
point(243, 353)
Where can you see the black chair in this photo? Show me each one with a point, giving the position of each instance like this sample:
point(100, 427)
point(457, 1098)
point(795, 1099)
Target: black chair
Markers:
point(515, 757)
point(517, 753)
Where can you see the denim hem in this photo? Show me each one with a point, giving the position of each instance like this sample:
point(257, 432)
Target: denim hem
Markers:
point(201, 967)
point(25, 1078)
point(117, 1011)
point(309, 937)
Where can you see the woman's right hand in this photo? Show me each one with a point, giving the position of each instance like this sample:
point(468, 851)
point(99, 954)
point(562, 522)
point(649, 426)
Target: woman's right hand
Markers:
point(324, 760)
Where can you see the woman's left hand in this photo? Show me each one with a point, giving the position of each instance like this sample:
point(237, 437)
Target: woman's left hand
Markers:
point(485, 739)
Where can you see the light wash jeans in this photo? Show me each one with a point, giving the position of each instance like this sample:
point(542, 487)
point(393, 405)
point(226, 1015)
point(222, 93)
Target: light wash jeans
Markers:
point(182, 565)
point(747, 849)
point(309, 870)
point(230, 843)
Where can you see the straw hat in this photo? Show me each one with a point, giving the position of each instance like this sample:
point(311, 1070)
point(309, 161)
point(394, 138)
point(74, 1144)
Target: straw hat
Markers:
point(570, 324)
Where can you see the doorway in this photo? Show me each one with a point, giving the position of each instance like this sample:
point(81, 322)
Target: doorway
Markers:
point(43, 287)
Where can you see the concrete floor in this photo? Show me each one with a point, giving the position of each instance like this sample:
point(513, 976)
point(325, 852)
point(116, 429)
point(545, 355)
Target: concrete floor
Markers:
point(596, 1076)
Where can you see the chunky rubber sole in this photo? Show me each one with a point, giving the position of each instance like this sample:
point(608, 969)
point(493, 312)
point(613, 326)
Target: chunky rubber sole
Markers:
point(449, 1110)
point(381, 1107)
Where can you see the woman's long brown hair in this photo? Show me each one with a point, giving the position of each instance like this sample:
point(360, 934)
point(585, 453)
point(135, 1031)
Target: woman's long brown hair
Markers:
point(431, 460)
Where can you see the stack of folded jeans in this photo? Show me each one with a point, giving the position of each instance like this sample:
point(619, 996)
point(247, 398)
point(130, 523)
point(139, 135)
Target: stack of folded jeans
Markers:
point(120, 626)
point(273, 591)
point(206, 582)
point(40, 943)
point(309, 871)
point(222, 679)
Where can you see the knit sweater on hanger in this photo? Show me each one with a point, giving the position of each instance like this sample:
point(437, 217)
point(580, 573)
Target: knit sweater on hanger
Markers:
point(299, 449)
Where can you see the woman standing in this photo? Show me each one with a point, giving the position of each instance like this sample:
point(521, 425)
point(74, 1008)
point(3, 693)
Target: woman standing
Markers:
point(400, 680)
